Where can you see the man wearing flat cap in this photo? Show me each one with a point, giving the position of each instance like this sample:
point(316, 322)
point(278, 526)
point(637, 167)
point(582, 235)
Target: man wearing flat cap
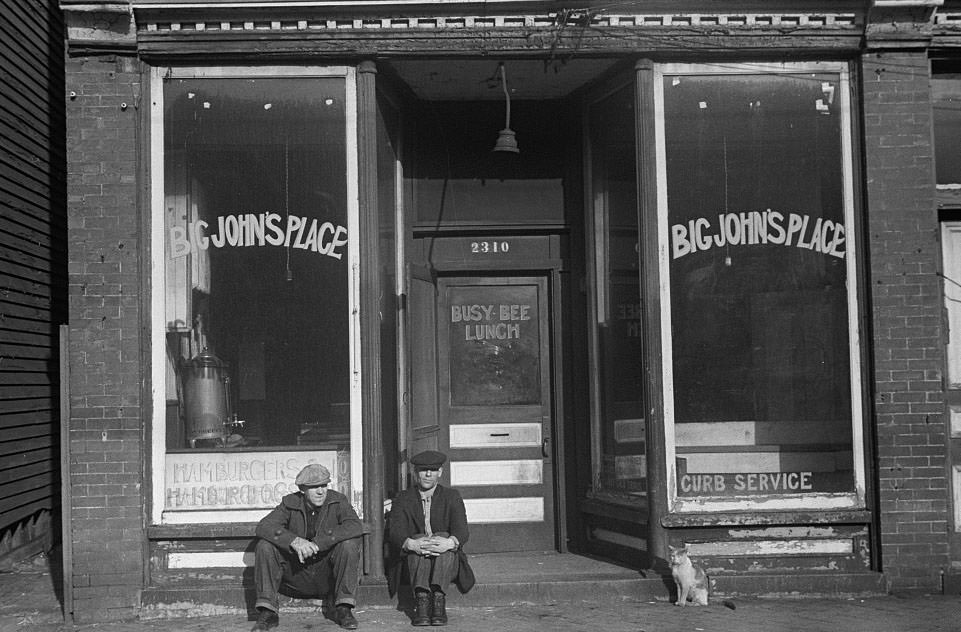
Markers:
point(310, 546)
point(426, 530)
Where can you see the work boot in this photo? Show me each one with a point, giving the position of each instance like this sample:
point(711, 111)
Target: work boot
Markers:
point(439, 614)
point(345, 617)
point(266, 619)
point(422, 603)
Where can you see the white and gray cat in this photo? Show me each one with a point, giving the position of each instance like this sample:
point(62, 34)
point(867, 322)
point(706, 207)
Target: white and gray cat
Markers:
point(691, 580)
point(693, 584)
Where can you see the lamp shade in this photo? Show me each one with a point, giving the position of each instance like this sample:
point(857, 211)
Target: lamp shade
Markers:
point(506, 141)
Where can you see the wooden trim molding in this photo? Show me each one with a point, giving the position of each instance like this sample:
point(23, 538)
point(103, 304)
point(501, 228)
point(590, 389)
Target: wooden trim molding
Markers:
point(177, 28)
point(163, 22)
point(320, 31)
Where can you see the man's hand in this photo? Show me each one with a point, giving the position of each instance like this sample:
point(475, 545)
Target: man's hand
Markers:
point(304, 549)
point(415, 545)
point(436, 545)
point(425, 546)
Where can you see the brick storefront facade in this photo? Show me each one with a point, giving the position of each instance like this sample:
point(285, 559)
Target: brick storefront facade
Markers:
point(900, 536)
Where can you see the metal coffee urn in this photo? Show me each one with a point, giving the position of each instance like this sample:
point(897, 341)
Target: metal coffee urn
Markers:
point(206, 398)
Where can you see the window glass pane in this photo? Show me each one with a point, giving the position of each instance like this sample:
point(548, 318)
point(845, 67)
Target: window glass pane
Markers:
point(388, 131)
point(759, 317)
point(623, 467)
point(946, 93)
point(256, 263)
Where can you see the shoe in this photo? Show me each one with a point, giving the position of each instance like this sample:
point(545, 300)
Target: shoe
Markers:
point(266, 619)
point(422, 603)
point(439, 612)
point(345, 617)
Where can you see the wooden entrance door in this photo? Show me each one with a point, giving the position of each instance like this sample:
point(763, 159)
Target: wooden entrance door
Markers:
point(494, 369)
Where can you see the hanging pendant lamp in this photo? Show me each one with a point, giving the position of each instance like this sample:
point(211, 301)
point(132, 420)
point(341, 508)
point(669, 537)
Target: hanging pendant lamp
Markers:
point(506, 140)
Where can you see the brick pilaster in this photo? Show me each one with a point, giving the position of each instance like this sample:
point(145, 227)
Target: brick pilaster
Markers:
point(106, 420)
point(903, 252)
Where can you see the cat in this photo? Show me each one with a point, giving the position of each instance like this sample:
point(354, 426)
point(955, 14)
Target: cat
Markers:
point(691, 580)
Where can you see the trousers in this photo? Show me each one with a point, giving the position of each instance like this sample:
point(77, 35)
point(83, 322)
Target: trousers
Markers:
point(432, 573)
point(334, 572)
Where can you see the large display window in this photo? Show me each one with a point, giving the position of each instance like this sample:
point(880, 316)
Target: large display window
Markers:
point(761, 351)
point(254, 289)
point(619, 472)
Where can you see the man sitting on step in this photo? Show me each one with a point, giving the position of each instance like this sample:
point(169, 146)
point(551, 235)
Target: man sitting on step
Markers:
point(427, 529)
point(310, 543)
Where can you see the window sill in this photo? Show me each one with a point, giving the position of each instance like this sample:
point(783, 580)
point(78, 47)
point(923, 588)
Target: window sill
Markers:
point(771, 518)
point(201, 531)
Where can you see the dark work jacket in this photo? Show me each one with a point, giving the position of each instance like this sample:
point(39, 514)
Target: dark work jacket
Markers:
point(334, 521)
point(406, 520)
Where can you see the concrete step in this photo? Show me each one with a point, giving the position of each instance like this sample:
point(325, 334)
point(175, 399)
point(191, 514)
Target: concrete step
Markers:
point(511, 579)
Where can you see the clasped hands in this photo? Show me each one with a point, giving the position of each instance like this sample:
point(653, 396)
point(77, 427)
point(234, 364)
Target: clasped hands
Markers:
point(305, 549)
point(430, 545)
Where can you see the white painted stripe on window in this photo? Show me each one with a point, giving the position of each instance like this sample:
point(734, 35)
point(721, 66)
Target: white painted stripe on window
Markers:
point(738, 462)
point(493, 510)
point(772, 547)
point(628, 430)
point(506, 472)
point(495, 435)
point(760, 433)
point(211, 559)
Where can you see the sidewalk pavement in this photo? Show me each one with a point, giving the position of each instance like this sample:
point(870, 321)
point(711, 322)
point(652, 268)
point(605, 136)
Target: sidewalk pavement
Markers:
point(28, 602)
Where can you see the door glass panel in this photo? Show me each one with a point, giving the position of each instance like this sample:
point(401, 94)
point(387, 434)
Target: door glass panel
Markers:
point(759, 283)
point(494, 346)
point(622, 467)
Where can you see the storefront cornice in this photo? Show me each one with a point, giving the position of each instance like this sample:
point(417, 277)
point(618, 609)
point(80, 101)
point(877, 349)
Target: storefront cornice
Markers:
point(523, 34)
point(347, 47)
point(672, 7)
point(508, 26)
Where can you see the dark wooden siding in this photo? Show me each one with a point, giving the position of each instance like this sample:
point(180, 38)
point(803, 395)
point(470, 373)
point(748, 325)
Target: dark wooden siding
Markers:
point(33, 279)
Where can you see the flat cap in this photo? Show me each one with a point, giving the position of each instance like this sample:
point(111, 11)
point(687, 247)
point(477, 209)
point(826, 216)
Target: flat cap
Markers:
point(428, 458)
point(313, 475)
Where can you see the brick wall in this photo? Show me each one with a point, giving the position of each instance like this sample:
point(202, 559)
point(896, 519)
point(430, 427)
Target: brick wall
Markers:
point(106, 422)
point(904, 255)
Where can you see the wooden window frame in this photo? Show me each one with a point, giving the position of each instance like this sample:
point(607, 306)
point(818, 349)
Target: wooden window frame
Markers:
point(158, 514)
point(856, 499)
